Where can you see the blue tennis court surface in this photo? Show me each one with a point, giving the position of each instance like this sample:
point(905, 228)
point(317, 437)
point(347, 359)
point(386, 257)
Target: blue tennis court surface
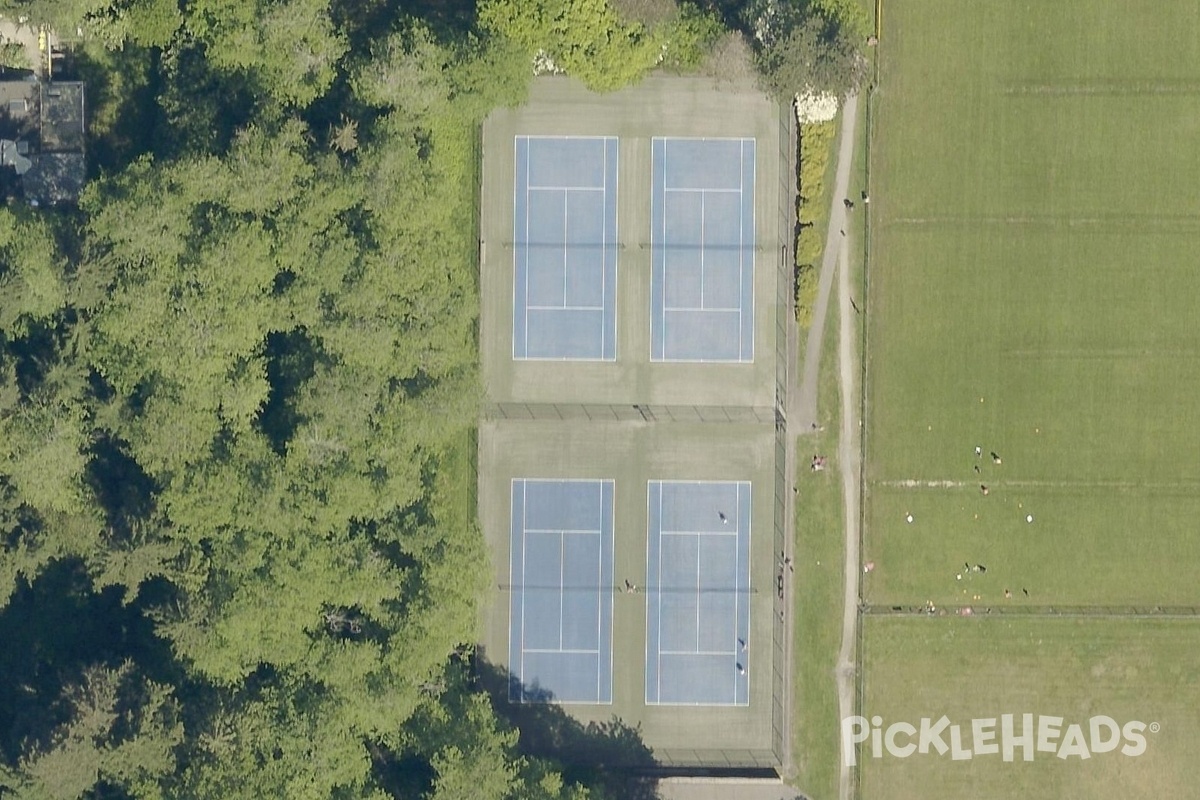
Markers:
point(698, 594)
point(565, 242)
point(702, 237)
point(560, 612)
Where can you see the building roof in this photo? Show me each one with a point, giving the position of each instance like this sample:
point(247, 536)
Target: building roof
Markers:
point(42, 135)
point(55, 178)
point(62, 117)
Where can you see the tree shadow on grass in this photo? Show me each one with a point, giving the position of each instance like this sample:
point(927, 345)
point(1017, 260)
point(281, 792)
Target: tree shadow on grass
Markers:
point(608, 756)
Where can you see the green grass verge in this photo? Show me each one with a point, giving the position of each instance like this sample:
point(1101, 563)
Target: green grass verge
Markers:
point(820, 554)
point(984, 667)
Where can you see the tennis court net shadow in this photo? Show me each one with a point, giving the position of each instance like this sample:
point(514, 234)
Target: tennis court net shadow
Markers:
point(611, 755)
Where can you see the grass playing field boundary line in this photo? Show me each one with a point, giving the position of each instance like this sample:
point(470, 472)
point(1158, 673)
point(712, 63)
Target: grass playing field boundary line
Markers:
point(1188, 487)
point(1180, 223)
point(1076, 612)
point(1109, 88)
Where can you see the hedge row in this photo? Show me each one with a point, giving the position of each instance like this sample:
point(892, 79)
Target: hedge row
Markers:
point(816, 148)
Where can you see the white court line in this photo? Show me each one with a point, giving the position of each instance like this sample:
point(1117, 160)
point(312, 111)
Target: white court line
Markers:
point(684, 190)
point(565, 249)
point(516, 183)
point(658, 644)
point(702, 194)
point(749, 565)
point(562, 650)
point(697, 646)
point(581, 531)
point(661, 316)
point(562, 584)
point(547, 188)
point(603, 279)
point(604, 260)
point(753, 231)
point(524, 557)
point(700, 652)
point(600, 579)
point(741, 236)
point(713, 532)
point(511, 488)
point(596, 359)
point(737, 572)
point(565, 307)
point(725, 309)
point(528, 161)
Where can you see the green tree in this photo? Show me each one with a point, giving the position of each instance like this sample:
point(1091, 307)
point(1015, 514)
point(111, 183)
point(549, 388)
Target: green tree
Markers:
point(803, 50)
point(291, 47)
point(586, 38)
point(121, 729)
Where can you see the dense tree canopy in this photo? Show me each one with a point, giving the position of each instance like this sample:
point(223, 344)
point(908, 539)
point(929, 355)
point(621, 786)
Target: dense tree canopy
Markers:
point(237, 385)
point(808, 46)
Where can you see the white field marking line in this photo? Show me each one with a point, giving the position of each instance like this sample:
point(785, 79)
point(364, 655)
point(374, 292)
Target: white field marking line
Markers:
point(1148, 487)
point(915, 484)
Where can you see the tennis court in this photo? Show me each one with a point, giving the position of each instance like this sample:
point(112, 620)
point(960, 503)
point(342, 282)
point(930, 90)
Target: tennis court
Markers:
point(560, 635)
point(565, 248)
point(697, 593)
point(702, 241)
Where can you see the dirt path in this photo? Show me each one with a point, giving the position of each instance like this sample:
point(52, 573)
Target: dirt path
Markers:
point(848, 458)
point(803, 410)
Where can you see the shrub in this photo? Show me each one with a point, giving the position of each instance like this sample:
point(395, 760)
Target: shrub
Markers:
point(816, 148)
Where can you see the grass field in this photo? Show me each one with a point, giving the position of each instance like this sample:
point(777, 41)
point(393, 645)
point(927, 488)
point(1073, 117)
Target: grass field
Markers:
point(820, 555)
point(1033, 292)
point(1140, 670)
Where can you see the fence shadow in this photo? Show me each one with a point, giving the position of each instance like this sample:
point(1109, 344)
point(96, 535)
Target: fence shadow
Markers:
point(610, 756)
